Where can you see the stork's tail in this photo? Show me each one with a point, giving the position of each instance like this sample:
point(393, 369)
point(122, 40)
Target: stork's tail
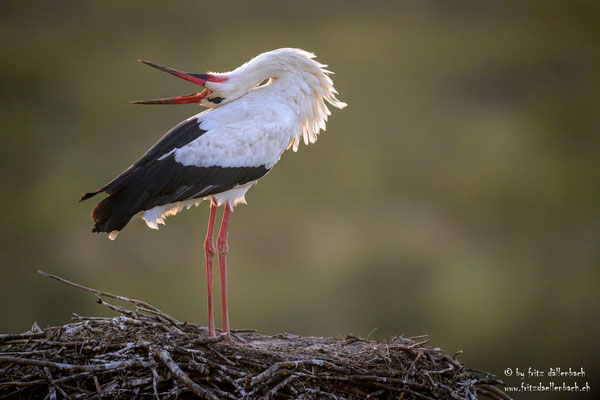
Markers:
point(114, 212)
point(123, 202)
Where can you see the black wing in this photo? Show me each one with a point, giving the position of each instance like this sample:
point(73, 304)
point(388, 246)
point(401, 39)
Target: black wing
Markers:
point(182, 134)
point(152, 181)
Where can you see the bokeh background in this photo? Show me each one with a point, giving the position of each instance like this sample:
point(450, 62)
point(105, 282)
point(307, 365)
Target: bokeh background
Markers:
point(457, 195)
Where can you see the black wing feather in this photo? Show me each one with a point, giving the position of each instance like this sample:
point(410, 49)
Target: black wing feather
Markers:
point(151, 182)
point(180, 135)
point(184, 133)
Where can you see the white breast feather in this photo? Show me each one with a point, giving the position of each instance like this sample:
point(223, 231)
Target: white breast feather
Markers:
point(239, 135)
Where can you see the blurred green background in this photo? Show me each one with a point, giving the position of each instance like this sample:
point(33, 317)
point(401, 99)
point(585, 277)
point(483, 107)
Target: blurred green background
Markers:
point(457, 195)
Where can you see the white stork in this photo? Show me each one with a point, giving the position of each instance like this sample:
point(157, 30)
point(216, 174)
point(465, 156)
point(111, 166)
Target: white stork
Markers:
point(221, 152)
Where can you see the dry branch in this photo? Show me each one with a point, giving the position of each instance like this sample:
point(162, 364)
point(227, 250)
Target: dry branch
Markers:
point(145, 353)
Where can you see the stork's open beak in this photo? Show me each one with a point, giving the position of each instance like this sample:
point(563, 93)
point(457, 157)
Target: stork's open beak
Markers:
point(187, 99)
point(198, 79)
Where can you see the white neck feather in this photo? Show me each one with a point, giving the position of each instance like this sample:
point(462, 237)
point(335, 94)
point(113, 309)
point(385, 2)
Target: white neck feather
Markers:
point(300, 79)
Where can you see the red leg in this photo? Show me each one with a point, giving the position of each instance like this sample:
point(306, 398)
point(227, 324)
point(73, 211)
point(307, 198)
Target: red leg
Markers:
point(209, 251)
point(222, 247)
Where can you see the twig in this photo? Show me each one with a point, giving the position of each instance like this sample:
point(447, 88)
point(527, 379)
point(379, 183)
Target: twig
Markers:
point(42, 381)
point(106, 294)
point(73, 367)
point(166, 359)
point(281, 385)
point(155, 377)
point(384, 379)
point(98, 387)
point(160, 314)
point(52, 390)
point(227, 360)
point(28, 335)
point(120, 310)
point(441, 371)
point(212, 364)
point(275, 368)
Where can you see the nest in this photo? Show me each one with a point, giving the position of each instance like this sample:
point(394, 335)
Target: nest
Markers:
point(145, 353)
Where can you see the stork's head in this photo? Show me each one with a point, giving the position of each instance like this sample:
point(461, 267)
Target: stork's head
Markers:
point(220, 88)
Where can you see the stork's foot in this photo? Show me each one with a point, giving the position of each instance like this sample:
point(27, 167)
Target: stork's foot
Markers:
point(235, 342)
point(234, 339)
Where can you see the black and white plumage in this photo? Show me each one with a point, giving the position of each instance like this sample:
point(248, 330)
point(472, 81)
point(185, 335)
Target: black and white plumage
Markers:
point(174, 174)
point(220, 153)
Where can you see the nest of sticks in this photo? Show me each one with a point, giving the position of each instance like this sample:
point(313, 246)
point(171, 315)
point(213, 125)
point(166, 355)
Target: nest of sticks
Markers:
point(145, 353)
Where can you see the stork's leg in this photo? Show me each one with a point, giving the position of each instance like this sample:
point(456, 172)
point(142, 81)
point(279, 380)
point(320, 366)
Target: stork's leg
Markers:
point(209, 251)
point(222, 247)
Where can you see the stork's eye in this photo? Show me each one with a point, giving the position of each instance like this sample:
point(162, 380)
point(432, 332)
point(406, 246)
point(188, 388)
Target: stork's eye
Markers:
point(216, 100)
point(263, 83)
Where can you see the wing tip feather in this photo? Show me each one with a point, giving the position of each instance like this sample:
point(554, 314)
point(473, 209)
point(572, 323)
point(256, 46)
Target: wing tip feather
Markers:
point(86, 196)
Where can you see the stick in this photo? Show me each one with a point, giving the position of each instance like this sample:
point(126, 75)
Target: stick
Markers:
point(160, 314)
point(73, 367)
point(280, 386)
point(166, 359)
point(274, 369)
point(114, 296)
point(28, 335)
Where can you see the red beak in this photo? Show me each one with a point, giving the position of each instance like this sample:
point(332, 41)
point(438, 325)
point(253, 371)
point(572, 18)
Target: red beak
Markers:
point(187, 99)
point(198, 79)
